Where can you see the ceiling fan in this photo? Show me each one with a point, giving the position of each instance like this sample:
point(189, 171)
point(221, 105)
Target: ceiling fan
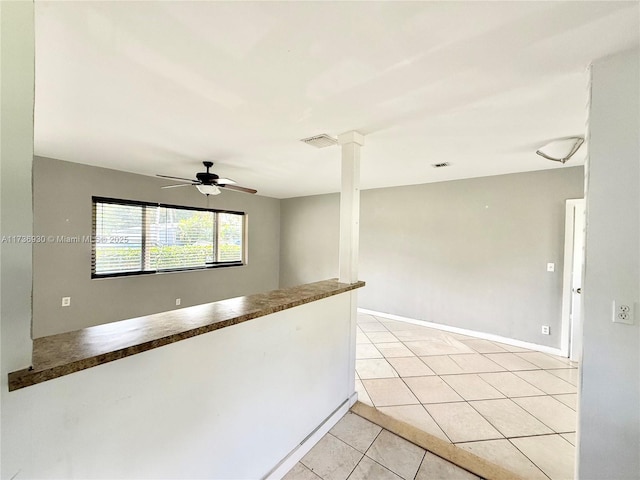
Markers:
point(208, 183)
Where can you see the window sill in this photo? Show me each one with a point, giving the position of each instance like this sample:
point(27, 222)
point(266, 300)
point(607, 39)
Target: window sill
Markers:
point(66, 353)
point(212, 266)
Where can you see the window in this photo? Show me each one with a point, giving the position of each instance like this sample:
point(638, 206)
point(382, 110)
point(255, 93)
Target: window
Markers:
point(132, 238)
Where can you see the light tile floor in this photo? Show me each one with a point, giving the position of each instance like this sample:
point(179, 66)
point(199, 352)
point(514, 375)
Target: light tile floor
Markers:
point(356, 449)
point(512, 406)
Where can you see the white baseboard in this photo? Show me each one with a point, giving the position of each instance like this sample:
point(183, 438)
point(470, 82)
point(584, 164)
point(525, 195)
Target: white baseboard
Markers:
point(308, 443)
point(470, 333)
point(353, 399)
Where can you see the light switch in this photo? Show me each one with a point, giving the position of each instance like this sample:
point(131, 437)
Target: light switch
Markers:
point(551, 267)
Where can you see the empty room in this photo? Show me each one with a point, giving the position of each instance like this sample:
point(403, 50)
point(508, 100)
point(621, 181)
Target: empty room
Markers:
point(320, 240)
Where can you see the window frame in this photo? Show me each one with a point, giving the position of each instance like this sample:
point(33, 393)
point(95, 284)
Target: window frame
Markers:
point(212, 265)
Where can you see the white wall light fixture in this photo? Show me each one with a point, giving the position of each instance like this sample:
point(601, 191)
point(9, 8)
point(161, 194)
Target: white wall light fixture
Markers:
point(560, 150)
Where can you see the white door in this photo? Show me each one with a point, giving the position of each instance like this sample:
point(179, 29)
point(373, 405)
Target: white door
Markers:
point(577, 270)
point(574, 235)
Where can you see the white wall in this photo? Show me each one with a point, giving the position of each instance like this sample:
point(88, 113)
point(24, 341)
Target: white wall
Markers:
point(16, 155)
point(609, 426)
point(229, 404)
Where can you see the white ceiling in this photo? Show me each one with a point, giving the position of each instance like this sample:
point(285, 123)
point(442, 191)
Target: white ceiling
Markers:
point(158, 87)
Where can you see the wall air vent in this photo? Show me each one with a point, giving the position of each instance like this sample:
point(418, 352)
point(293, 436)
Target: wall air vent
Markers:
point(440, 165)
point(320, 141)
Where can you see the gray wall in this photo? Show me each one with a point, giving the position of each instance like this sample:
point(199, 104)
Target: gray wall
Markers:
point(62, 206)
point(467, 253)
point(609, 427)
point(309, 239)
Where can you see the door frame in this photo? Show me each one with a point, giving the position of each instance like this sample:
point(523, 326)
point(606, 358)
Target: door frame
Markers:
point(569, 232)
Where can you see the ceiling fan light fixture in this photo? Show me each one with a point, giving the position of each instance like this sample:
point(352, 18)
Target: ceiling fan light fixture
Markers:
point(208, 189)
point(208, 183)
point(560, 150)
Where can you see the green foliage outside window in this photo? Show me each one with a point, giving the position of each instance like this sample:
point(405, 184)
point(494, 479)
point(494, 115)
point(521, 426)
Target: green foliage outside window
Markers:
point(162, 237)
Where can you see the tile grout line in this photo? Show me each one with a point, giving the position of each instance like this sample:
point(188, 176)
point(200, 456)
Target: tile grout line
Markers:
point(441, 448)
point(546, 393)
point(477, 399)
point(521, 436)
point(540, 420)
point(351, 446)
point(506, 370)
point(527, 457)
point(364, 454)
point(384, 466)
point(409, 404)
point(420, 357)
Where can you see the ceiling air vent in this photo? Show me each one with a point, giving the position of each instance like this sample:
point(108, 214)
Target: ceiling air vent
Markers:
point(320, 141)
point(440, 165)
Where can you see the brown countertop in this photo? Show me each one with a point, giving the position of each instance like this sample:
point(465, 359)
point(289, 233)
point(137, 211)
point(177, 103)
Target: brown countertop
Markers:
point(66, 353)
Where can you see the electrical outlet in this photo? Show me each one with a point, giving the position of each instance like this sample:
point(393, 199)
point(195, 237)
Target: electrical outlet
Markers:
point(178, 301)
point(66, 301)
point(623, 312)
point(546, 330)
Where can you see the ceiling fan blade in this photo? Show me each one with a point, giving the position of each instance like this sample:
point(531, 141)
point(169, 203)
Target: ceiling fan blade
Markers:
point(239, 188)
point(224, 181)
point(190, 180)
point(181, 185)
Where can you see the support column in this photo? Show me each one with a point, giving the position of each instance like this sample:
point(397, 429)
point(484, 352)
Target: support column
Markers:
point(350, 239)
point(350, 205)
